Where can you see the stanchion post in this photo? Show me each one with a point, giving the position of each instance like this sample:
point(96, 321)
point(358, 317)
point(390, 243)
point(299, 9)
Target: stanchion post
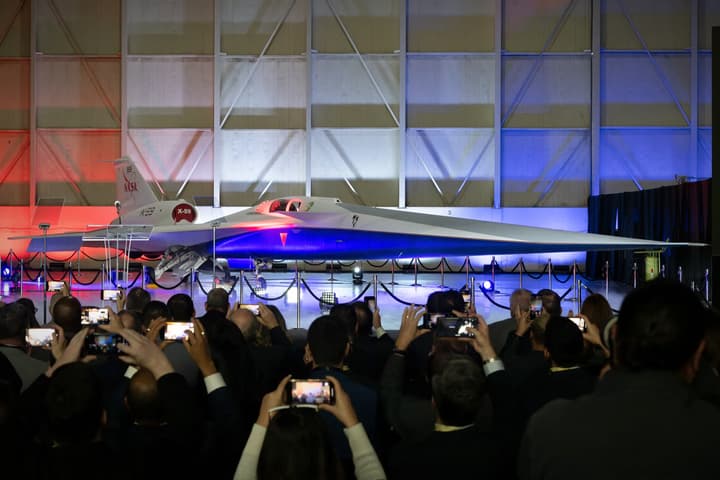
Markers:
point(442, 272)
point(607, 278)
point(578, 289)
point(662, 271)
point(707, 285)
point(332, 271)
point(241, 281)
point(375, 286)
point(297, 294)
point(549, 273)
point(472, 291)
point(492, 270)
point(680, 274)
point(69, 271)
point(392, 272)
point(415, 271)
point(634, 270)
point(143, 273)
point(467, 270)
point(22, 274)
point(521, 265)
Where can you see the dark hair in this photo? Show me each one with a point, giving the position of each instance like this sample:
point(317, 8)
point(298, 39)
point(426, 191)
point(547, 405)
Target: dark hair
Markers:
point(345, 314)
point(597, 309)
point(137, 298)
point(550, 301)
point(278, 316)
point(327, 339)
point(364, 317)
point(660, 326)
point(13, 321)
point(297, 445)
point(218, 299)
point(136, 317)
point(458, 392)
point(30, 311)
point(564, 341)
point(73, 404)
point(181, 307)
point(66, 313)
point(712, 339)
point(445, 302)
point(153, 310)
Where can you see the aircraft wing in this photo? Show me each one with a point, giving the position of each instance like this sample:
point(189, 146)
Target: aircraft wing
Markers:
point(341, 231)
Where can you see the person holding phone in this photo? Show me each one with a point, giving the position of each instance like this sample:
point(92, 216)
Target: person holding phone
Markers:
point(13, 322)
point(291, 442)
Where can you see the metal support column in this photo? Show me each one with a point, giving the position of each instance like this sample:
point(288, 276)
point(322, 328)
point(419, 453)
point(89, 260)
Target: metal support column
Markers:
point(497, 122)
point(218, 60)
point(595, 100)
point(308, 98)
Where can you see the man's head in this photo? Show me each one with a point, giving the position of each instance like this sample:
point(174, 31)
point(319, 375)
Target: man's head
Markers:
point(218, 300)
point(564, 342)
point(660, 327)
point(154, 309)
point(520, 299)
point(458, 392)
point(345, 314)
point(136, 300)
point(142, 398)
point(66, 313)
point(327, 342)
point(74, 404)
point(13, 322)
point(550, 301)
point(445, 302)
point(364, 318)
point(181, 308)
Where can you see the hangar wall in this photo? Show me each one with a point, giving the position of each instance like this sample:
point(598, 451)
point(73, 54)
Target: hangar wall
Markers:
point(404, 103)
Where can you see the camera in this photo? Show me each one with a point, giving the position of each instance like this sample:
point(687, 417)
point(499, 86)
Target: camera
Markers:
point(177, 330)
point(371, 303)
point(39, 337)
point(429, 320)
point(580, 322)
point(102, 343)
point(536, 308)
point(310, 392)
point(94, 315)
point(109, 294)
point(455, 326)
point(253, 307)
point(54, 286)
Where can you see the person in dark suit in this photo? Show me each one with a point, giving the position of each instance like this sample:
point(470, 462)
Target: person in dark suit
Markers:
point(370, 349)
point(325, 351)
point(457, 445)
point(643, 420)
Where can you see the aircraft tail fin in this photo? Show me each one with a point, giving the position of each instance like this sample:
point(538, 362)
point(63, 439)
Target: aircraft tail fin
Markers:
point(131, 189)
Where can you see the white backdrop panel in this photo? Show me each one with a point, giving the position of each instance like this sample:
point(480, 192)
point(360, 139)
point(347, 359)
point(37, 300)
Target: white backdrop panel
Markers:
point(546, 92)
point(256, 160)
point(448, 157)
point(651, 156)
point(170, 26)
point(545, 168)
point(633, 93)
point(170, 92)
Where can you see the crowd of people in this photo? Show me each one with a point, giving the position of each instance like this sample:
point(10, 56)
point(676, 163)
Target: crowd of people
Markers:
point(545, 394)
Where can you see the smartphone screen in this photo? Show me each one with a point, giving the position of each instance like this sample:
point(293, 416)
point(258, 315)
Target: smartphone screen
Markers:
point(102, 343)
point(94, 315)
point(310, 392)
point(253, 307)
point(54, 286)
point(580, 322)
point(109, 294)
point(176, 330)
point(39, 337)
point(371, 303)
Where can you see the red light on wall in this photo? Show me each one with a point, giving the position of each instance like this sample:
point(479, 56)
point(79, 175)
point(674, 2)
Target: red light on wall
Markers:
point(283, 238)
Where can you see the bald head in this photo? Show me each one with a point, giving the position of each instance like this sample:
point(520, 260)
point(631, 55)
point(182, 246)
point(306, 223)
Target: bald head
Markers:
point(217, 299)
point(245, 320)
point(142, 398)
point(521, 299)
